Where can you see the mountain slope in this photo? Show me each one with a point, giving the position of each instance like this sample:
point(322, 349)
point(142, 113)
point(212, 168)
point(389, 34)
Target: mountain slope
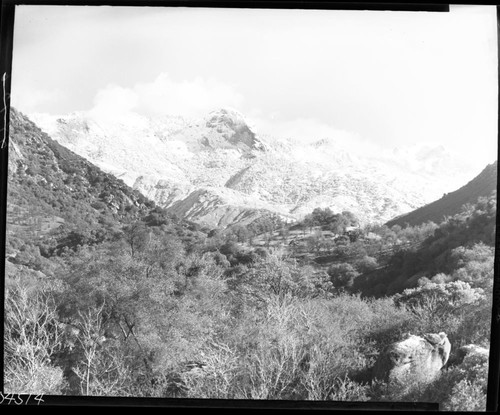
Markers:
point(461, 248)
point(56, 195)
point(173, 161)
point(452, 203)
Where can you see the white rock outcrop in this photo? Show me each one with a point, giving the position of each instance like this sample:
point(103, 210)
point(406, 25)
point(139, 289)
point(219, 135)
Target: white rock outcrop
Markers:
point(469, 351)
point(413, 360)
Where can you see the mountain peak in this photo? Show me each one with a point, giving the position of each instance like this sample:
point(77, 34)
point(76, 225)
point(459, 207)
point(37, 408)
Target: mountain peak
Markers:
point(227, 116)
point(232, 126)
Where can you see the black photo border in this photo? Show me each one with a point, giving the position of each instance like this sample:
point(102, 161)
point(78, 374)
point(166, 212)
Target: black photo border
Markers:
point(7, 22)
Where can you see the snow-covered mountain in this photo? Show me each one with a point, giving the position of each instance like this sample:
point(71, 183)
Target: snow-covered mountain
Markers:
point(217, 171)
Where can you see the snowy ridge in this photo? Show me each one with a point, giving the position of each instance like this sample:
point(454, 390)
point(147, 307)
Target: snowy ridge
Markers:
point(215, 169)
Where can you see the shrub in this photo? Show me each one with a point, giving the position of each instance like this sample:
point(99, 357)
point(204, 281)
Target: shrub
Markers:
point(342, 275)
point(218, 378)
point(458, 388)
point(441, 306)
point(98, 205)
point(366, 264)
point(467, 396)
point(32, 339)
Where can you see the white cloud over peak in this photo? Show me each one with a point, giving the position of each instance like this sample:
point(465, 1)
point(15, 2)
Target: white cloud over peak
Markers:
point(192, 98)
point(308, 130)
point(164, 96)
point(114, 101)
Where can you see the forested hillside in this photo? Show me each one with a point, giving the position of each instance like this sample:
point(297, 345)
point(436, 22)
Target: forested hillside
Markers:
point(451, 203)
point(58, 201)
point(107, 294)
point(460, 248)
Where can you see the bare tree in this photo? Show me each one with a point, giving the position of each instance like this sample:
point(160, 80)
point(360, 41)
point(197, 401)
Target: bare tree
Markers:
point(32, 337)
point(102, 370)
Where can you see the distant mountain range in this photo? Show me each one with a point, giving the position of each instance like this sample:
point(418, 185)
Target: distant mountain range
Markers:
point(452, 203)
point(217, 171)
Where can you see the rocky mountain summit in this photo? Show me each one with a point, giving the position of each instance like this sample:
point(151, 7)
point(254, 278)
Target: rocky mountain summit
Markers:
point(233, 129)
point(218, 171)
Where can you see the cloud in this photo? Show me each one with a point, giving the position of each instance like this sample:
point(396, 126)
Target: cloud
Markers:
point(164, 96)
point(28, 100)
point(113, 102)
point(191, 98)
point(308, 130)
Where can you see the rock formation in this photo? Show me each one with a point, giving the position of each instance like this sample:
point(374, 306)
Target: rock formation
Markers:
point(469, 351)
point(413, 360)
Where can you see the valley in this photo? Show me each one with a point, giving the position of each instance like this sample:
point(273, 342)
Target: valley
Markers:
point(250, 207)
point(241, 274)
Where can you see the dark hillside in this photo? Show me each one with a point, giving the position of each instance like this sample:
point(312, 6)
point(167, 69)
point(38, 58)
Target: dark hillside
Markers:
point(451, 203)
point(57, 198)
point(435, 258)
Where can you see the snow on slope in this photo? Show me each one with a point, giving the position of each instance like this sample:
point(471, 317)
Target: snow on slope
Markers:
point(216, 170)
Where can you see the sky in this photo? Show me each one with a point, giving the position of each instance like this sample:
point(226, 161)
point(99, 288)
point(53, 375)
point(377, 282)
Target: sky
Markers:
point(378, 80)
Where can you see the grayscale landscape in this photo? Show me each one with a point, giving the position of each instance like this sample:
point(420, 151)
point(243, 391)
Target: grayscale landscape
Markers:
point(248, 211)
